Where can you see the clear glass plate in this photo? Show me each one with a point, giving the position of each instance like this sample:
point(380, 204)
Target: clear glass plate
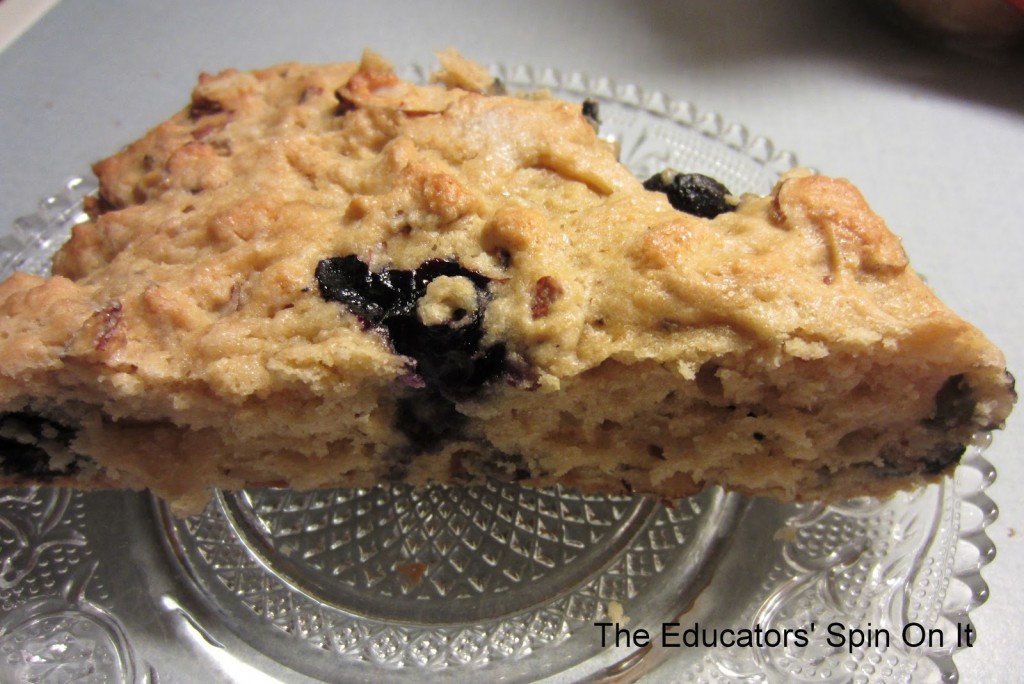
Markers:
point(495, 582)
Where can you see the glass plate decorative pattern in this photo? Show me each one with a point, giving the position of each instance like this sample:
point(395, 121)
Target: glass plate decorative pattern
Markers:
point(495, 582)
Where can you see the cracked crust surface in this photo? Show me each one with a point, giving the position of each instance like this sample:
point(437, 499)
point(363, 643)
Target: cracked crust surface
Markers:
point(785, 348)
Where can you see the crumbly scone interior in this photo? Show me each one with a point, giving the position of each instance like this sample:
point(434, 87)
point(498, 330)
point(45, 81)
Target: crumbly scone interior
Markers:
point(785, 348)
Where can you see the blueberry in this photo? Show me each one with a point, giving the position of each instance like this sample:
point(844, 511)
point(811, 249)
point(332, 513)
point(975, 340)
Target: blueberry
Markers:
point(954, 404)
point(371, 296)
point(452, 363)
point(428, 420)
point(435, 268)
point(693, 193)
point(24, 437)
point(942, 457)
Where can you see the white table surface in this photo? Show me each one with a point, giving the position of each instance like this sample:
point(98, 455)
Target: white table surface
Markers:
point(934, 140)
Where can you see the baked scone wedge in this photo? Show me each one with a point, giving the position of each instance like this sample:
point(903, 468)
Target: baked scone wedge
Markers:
point(320, 276)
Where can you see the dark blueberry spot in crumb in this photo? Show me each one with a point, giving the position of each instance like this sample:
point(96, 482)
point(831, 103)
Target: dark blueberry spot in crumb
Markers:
point(759, 436)
point(889, 469)
point(24, 438)
point(503, 466)
point(451, 361)
point(498, 465)
point(592, 112)
point(435, 268)
point(693, 193)
point(942, 457)
point(518, 372)
point(397, 467)
point(428, 419)
point(954, 404)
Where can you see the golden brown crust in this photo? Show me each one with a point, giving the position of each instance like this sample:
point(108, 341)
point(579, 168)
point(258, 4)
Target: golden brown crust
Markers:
point(784, 348)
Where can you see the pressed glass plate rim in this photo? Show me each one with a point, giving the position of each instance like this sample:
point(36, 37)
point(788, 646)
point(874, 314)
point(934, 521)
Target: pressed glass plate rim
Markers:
point(975, 550)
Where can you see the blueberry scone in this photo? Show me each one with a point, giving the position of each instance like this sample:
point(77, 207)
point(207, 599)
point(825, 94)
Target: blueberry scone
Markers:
point(319, 276)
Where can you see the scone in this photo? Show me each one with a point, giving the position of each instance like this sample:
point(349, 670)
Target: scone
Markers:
point(319, 276)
